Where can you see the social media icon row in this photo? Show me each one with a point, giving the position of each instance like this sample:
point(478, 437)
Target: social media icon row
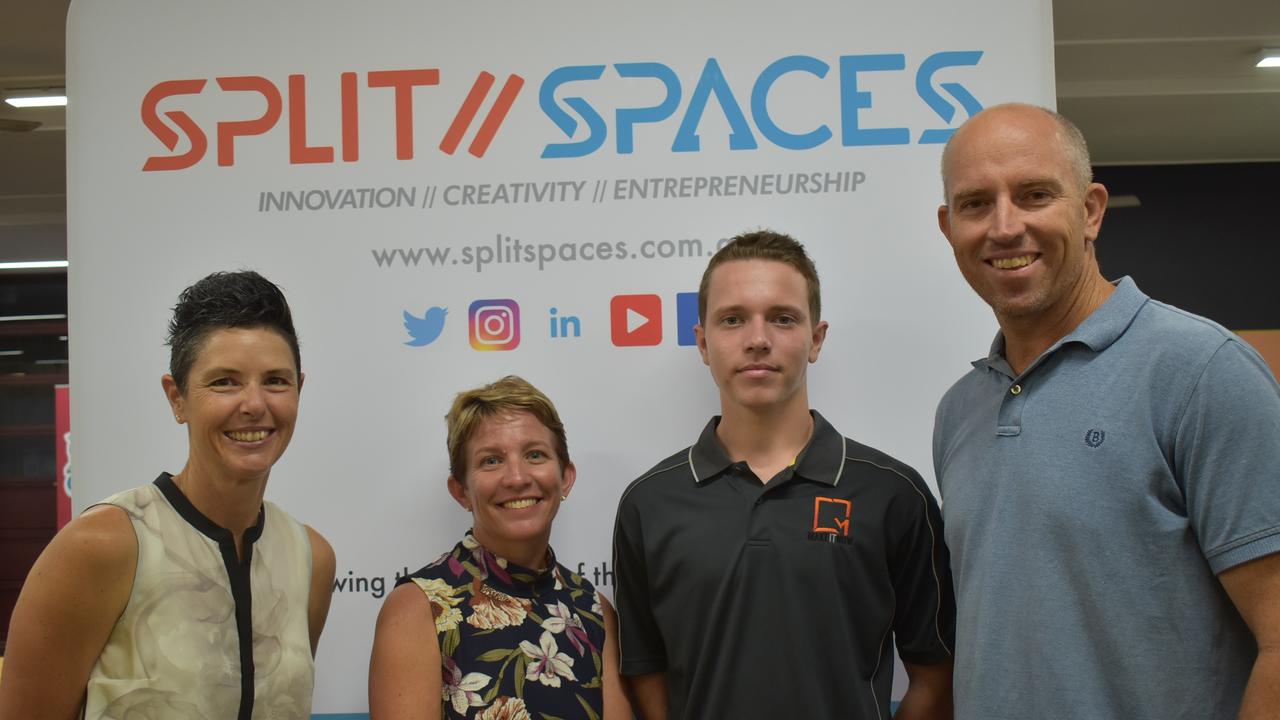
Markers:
point(494, 324)
point(424, 330)
point(636, 320)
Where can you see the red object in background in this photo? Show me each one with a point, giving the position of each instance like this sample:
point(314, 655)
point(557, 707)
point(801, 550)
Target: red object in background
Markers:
point(635, 320)
point(62, 455)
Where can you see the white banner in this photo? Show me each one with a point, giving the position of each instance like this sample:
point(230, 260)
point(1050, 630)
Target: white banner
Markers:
point(546, 178)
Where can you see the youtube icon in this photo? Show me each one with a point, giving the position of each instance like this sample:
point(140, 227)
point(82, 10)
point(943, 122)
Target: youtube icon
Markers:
point(635, 320)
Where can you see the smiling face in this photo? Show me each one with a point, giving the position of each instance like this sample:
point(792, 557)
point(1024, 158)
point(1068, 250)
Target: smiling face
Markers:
point(512, 486)
point(1020, 222)
point(758, 338)
point(240, 404)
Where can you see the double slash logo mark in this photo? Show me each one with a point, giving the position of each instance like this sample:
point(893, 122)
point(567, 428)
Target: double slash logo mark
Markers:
point(471, 105)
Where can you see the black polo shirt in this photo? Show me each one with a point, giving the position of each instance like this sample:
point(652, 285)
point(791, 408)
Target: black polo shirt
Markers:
point(779, 599)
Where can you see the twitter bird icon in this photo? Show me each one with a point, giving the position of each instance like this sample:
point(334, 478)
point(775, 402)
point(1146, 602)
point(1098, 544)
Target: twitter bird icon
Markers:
point(424, 330)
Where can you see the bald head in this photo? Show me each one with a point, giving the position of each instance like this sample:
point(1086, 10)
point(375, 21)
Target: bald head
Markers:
point(1021, 216)
point(1055, 127)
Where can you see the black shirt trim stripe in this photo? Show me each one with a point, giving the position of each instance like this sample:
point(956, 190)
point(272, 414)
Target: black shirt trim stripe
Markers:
point(933, 555)
point(237, 574)
point(714, 565)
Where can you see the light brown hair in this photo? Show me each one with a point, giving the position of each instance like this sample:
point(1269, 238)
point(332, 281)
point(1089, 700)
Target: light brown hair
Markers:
point(765, 245)
point(511, 394)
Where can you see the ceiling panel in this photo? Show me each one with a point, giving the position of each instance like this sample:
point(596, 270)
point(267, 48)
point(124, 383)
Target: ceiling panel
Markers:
point(1178, 128)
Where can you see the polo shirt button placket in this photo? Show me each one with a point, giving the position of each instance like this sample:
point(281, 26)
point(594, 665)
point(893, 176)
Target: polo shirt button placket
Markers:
point(1010, 419)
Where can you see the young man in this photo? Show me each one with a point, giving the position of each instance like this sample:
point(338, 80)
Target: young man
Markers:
point(762, 571)
point(1110, 471)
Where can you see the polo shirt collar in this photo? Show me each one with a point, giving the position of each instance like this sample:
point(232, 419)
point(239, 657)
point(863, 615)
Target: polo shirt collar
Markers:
point(1103, 327)
point(822, 460)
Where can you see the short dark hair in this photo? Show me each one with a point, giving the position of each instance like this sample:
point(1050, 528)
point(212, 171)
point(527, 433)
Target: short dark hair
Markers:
point(765, 245)
point(242, 299)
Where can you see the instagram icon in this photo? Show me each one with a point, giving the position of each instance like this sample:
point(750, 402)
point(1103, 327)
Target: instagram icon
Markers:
point(494, 324)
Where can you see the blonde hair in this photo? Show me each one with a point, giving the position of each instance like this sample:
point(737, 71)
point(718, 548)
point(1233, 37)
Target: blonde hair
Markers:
point(511, 394)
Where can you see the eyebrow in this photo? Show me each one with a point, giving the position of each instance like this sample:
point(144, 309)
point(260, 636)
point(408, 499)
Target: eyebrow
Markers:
point(960, 195)
point(967, 193)
point(233, 371)
point(793, 309)
point(531, 445)
point(1034, 182)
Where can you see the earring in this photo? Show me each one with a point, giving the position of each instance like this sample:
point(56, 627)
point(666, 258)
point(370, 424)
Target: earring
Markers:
point(564, 498)
point(177, 417)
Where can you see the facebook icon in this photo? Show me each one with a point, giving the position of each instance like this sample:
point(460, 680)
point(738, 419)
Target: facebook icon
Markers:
point(686, 317)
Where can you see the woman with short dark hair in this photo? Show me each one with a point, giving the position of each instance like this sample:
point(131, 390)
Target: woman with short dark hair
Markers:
point(191, 596)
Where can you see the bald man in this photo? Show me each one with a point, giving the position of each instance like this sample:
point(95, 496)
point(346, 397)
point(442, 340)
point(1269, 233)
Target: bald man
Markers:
point(1110, 471)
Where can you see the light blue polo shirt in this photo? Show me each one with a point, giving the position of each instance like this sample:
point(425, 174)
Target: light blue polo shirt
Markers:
point(1088, 504)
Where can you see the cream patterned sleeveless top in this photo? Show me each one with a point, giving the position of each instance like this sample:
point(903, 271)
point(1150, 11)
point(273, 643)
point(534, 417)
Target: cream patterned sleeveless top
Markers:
point(205, 636)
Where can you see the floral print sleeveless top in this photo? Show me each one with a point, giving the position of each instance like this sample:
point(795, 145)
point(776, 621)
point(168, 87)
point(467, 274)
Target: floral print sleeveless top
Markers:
point(516, 644)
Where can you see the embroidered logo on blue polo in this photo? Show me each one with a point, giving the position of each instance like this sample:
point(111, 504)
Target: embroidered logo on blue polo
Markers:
point(1094, 437)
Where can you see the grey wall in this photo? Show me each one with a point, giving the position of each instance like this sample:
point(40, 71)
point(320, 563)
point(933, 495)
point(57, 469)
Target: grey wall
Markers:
point(1206, 238)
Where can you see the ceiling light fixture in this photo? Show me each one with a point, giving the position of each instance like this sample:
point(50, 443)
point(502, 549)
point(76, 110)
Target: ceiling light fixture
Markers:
point(36, 97)
point(32, 264)
point(31, 102)
point(7, 353)
point(21, 318)
point(1269, 58)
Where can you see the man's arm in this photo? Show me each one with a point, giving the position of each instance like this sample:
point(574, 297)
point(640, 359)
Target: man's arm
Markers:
point(924, 617)
point(1254, 587)
point(1228, 462)
point(640, 640)
point(648, 694)
point(928, 695)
